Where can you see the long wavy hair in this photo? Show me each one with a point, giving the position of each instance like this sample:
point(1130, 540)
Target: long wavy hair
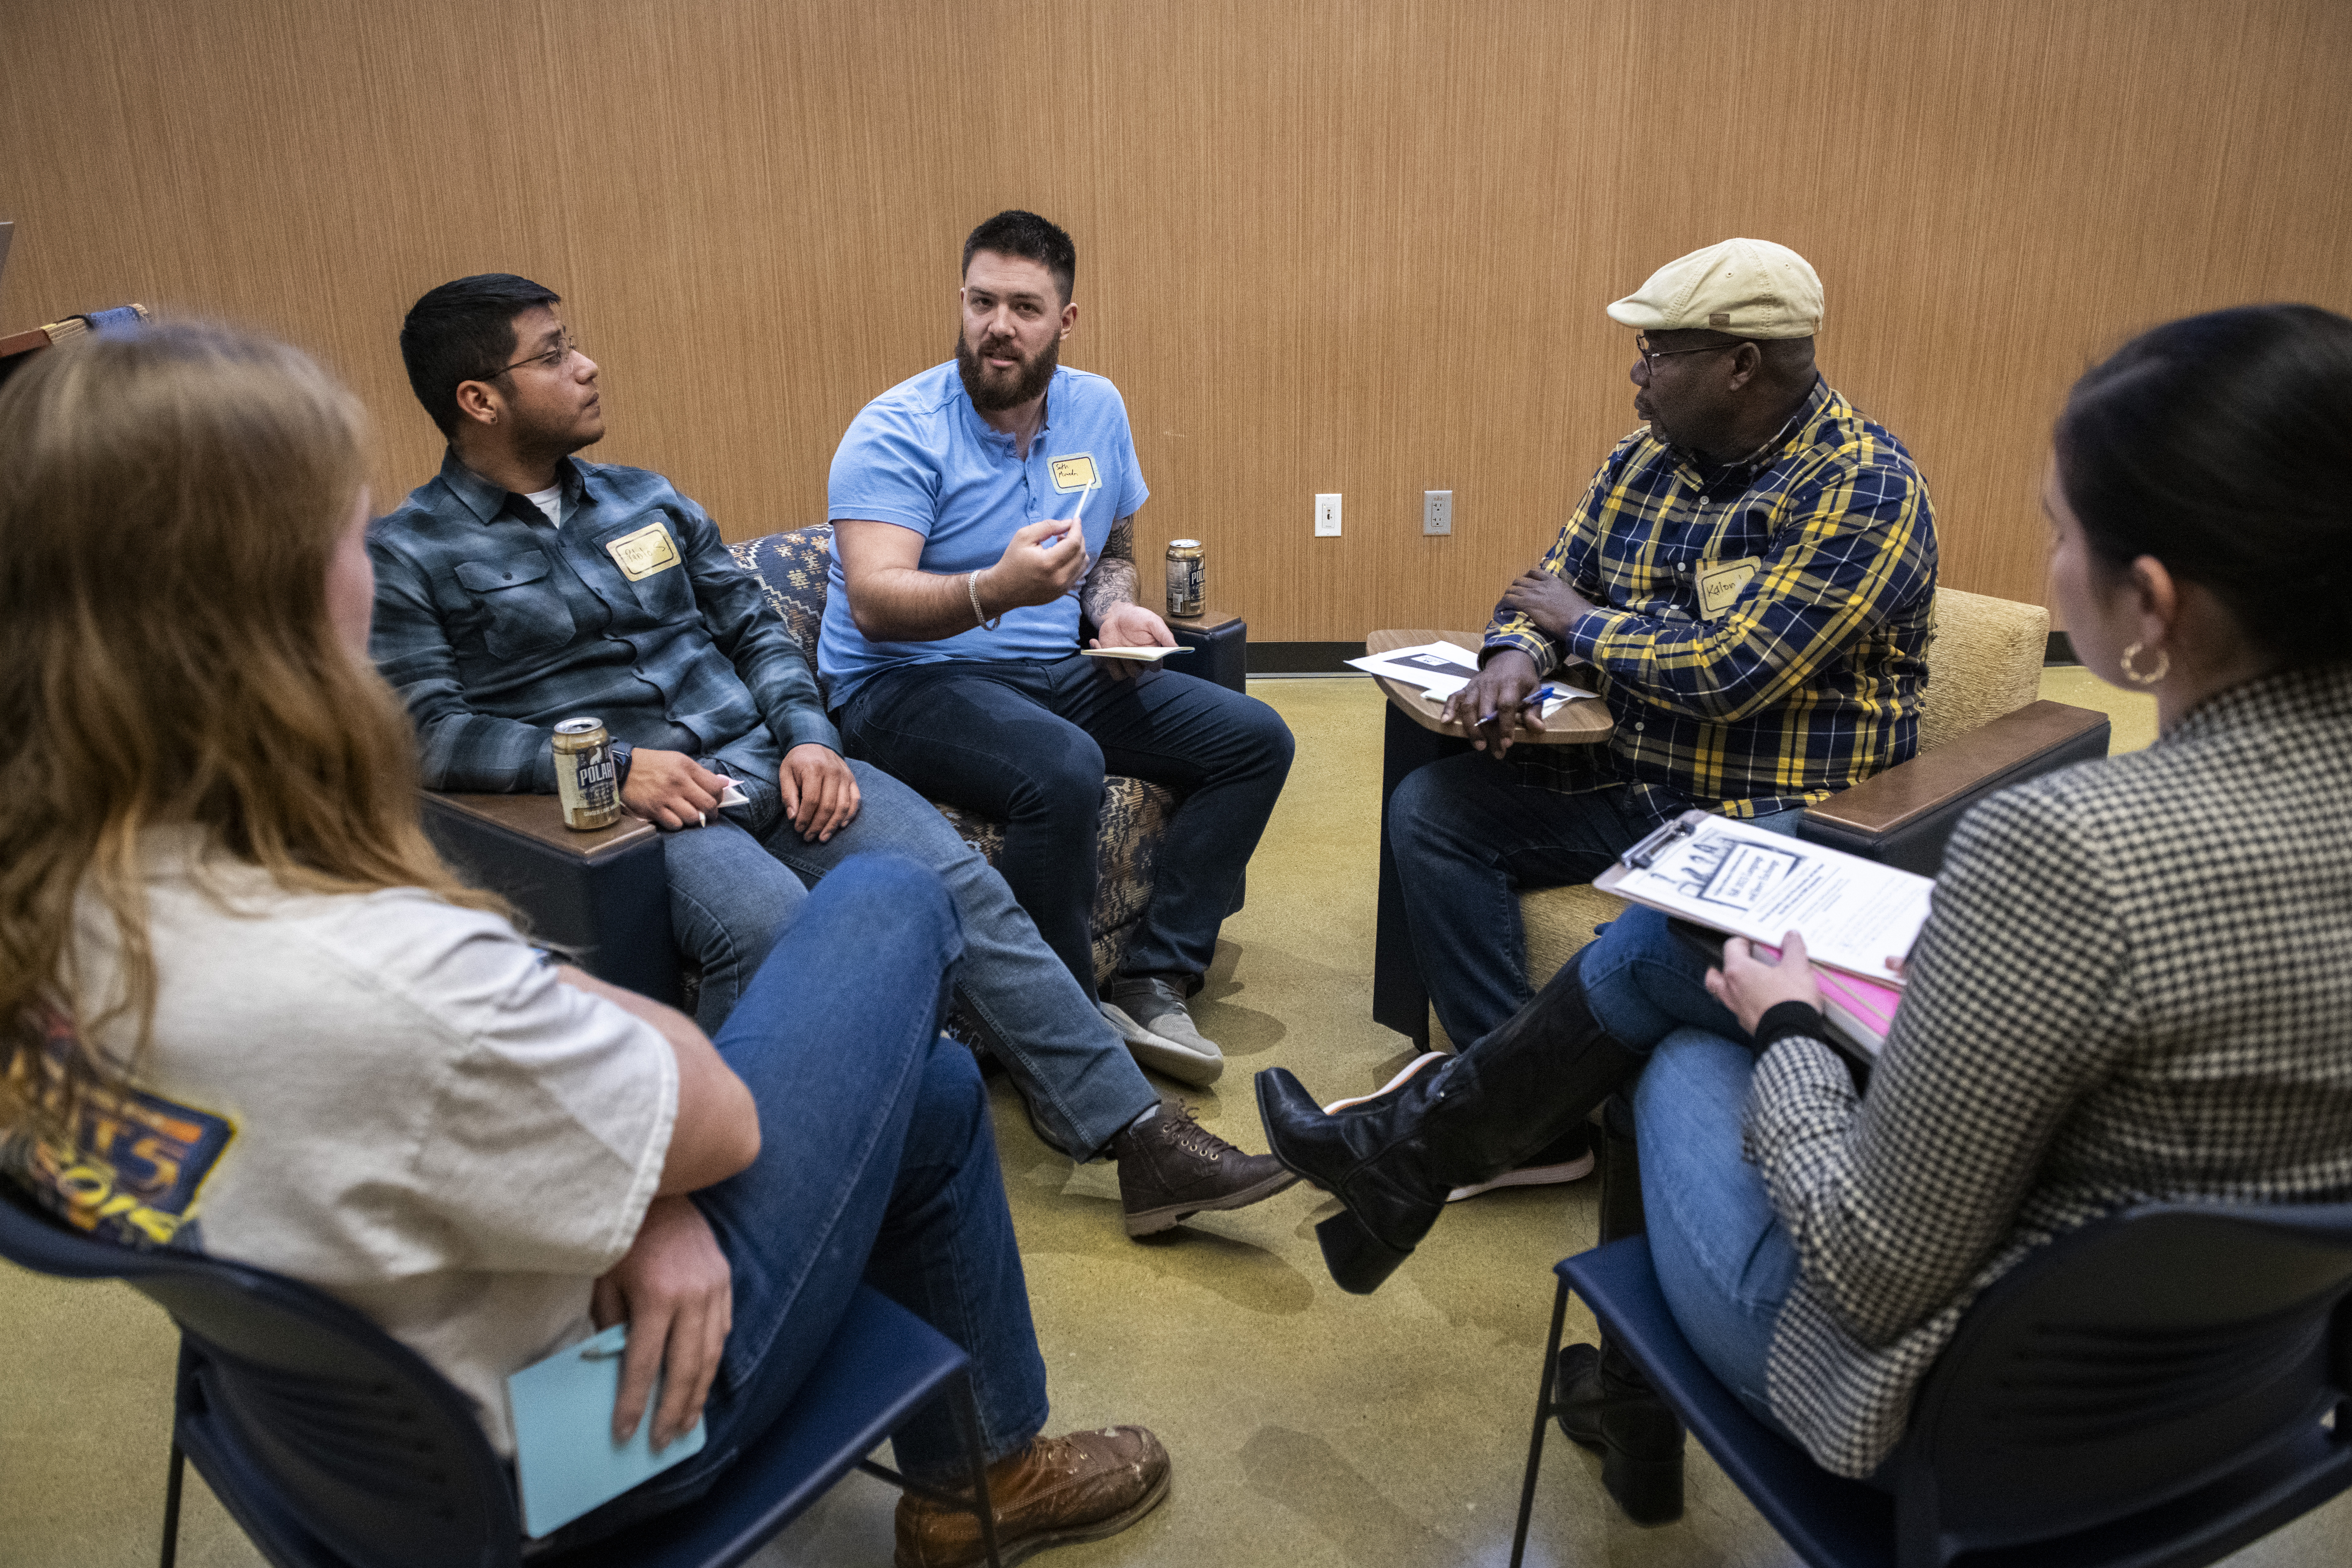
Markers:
point(169, 503)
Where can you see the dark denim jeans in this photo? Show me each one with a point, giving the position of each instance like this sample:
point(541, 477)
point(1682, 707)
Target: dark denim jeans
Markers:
point(1029, 744)
point(876, 1163)
point(1468, 837)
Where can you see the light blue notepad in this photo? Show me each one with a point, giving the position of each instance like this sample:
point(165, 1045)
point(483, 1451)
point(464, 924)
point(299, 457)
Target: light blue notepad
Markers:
point(564, 1454)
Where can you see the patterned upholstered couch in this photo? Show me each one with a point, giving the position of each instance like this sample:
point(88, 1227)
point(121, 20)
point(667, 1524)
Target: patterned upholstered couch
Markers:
point(792, 569)
point(604, 894)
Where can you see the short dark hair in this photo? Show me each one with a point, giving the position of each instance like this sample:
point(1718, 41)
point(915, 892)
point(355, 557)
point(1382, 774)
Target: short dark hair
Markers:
point(464, 331)
point(1032, 238)
point(2220, 444)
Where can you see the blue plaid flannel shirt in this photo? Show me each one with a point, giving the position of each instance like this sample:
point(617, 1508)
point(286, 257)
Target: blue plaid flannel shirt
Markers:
point(493, 624)
point(1808, 681)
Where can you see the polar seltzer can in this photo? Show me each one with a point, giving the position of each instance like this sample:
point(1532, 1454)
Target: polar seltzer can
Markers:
point(1186, 577)
point(585, 775)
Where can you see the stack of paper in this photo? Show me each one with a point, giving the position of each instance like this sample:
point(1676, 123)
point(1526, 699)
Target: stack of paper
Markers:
point(1856, 915)
point(1439, 668)
point(1145, 654)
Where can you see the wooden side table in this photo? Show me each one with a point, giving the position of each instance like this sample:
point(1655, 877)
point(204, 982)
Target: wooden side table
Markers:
point(604, 894)
point(1220, 642)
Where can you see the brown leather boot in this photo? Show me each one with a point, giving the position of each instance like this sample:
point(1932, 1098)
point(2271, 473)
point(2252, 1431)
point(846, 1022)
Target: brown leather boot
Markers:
point(1056, 1491)
point(1171, 1167)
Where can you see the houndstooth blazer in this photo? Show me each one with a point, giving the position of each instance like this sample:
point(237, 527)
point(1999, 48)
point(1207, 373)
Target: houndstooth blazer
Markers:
point(2135, 984)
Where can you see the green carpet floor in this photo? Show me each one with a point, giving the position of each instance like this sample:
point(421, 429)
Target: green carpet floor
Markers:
point(1309, 1427)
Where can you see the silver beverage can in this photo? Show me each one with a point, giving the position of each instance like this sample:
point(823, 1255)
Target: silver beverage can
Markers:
point(585, 778)
point(1186, 577)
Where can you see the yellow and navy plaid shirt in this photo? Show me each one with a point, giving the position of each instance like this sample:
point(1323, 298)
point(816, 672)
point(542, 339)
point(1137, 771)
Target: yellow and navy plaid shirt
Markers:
point(1808, 680)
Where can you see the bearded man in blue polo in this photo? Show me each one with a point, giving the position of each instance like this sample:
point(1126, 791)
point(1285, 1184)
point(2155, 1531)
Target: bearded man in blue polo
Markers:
point(980, 511)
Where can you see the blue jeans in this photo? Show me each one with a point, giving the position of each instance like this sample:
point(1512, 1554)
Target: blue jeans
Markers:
point(1029, 744)
point(1724, 1263)
point(737, 884)
point(1467, 836)
point(877, 1164)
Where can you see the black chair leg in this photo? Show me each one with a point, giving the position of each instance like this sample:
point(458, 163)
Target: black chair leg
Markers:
point(967, 1418)
point(172, 1506)
point(1543, 1419)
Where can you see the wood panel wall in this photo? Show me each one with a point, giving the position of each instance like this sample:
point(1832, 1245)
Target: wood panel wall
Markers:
point(1358, 246)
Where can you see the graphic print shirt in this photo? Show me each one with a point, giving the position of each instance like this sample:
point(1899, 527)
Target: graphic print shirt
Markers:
point(388, 1097)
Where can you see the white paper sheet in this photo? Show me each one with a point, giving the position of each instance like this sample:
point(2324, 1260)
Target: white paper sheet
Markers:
point(1429, 665)
point(1138, 655)
point(1855, 915)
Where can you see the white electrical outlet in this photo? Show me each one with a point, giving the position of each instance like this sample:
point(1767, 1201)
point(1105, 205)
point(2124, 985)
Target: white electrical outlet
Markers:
point(1437, 512)
point(1327, 517)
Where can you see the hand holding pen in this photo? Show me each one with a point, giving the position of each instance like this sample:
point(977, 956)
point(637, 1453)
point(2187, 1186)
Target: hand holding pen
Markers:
point(1498, 697)
point(1076, 525)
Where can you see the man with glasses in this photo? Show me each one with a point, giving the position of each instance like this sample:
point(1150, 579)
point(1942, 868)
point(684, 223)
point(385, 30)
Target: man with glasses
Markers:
point(1751, 579)
point(521, 586)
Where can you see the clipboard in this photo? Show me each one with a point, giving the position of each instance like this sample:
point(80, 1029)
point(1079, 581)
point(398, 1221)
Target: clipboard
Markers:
point(1733, 877)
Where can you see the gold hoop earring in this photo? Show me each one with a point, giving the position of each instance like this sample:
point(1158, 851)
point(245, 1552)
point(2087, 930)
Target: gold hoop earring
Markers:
point(2163, 666)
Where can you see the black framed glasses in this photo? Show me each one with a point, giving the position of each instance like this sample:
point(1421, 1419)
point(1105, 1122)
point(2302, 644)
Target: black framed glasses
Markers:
point(1651, 356)
point(555, 358)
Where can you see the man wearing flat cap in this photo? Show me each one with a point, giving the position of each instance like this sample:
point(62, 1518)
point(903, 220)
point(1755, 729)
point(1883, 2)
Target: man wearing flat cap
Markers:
point(1750, 576)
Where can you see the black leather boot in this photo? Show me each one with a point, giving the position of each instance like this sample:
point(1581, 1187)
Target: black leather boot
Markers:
point(1602, 1400)
point(1393, 1159)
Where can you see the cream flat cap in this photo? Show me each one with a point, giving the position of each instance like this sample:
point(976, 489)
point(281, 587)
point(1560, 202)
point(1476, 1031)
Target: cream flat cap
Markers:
point(1749, 288)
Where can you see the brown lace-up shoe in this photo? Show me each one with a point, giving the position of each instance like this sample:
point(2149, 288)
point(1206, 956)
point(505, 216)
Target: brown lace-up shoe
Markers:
point(1056, 1491)
point(1171, 1166)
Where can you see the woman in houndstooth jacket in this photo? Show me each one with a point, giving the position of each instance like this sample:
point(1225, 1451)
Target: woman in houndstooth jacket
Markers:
point(2133, 984)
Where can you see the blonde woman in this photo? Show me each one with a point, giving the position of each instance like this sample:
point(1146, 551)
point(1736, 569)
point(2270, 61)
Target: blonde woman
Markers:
point(245, 1009)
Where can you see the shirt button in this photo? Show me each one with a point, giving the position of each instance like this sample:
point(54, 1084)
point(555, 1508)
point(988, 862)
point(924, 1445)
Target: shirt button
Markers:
point(1637, 727)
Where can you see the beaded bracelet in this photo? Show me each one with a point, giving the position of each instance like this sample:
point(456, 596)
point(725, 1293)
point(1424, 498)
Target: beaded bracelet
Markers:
point(971, 586)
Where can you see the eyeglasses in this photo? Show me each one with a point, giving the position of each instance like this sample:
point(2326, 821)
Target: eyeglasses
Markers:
point(555, 358)
point(1651, 356)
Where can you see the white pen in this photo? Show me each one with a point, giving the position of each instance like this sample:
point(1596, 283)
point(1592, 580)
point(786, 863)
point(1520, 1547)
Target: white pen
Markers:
point(1077, 519)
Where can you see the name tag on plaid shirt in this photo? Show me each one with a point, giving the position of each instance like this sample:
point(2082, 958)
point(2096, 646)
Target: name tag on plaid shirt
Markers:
point(1719, 582)
point(641, 554)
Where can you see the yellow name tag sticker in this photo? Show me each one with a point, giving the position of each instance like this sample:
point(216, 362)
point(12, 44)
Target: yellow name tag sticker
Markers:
point(1075, 473)
point(1719, 582)
point(641, 554)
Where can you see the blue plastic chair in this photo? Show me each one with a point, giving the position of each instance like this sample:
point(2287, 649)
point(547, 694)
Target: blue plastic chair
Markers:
point(334, 1446)
point(2154, 1390)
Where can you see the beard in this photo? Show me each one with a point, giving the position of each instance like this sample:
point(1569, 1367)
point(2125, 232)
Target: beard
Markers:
point(992, 391)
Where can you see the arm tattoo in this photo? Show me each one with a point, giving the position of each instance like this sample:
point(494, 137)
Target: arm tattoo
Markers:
point(1112, 580)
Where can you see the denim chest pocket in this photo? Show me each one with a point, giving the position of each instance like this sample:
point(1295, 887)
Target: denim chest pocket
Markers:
point(523, 610)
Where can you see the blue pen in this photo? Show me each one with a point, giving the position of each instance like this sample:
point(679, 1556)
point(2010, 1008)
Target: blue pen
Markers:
point(1544, 693)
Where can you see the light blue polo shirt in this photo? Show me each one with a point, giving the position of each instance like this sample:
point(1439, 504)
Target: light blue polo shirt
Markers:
point(920, 457)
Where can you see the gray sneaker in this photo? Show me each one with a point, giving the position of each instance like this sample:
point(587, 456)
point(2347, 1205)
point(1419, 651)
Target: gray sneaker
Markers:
point(1150, 1017)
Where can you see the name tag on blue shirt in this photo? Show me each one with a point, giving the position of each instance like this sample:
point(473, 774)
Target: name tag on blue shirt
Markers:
point(920, 457)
